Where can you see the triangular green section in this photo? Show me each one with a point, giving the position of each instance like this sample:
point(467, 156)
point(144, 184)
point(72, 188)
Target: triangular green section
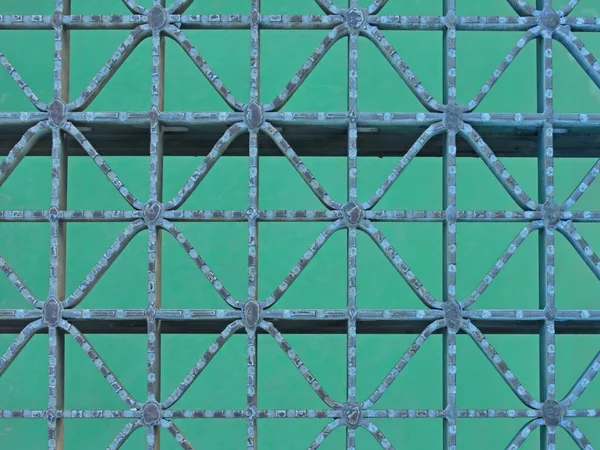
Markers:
point(568, 73)
point(498, 434)
point(212, 433)
point(36, 72)
point(515, 90)
point(188, 89)
point(282, 187)
point(325, 357)
point(379, 285)
point(225, 186)
point(29, 186)
point(322, 284)
point(224, 248)
point(402, 433)
point(480, 245)
point(87, 244)
point(520, 353)
point(101, 432)
point(418, 187)
point(86, 388)
point(90, 189)
point(324, 90)
point(569, 173)
point(477, 188)
point(298, 434)
point(376, 355)
point(576, 285)
point(22, 387)
point(222, 383)
point(130, 87)
point(379, 85)
point(573, 355)
point(26, 248)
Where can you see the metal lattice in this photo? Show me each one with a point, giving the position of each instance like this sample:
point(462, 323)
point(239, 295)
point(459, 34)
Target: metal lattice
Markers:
point(59, 315)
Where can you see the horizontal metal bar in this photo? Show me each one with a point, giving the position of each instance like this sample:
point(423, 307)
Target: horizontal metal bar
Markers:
point(332, 141)
point(332, 322)
point(291, 21)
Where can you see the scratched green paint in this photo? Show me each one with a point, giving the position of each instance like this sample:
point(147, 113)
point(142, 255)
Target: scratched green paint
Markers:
point(222, 385)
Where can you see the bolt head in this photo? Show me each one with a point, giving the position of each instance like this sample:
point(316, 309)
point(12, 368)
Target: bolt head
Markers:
point(451, 19)
point(352, 415)
point(57, 112)
point(250, 413)
point(157, 17)
point(151, 413)
point(251, 313)
point(355, 19)
point(50, 415)
point(453, 315)
point(152, 211)
point(552, 413)
point(353, 312)
point(453, 117)
point(551, 213)
point(353, 213)
point(53, 213)
point(56, 19)
point(254, 115)
point(153, 115)
point(549, 19)
point(150, 313)
point(51, 311)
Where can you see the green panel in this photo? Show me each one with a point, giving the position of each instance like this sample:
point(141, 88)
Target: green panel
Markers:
point(323, 285)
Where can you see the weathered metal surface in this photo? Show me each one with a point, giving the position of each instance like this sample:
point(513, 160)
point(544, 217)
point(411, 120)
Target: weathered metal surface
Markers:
point(544, 135)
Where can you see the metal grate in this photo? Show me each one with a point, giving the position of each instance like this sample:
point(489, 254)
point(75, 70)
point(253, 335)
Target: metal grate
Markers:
point(444, 119)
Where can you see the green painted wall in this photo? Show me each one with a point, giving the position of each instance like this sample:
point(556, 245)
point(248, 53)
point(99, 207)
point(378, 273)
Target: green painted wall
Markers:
point(322, 285)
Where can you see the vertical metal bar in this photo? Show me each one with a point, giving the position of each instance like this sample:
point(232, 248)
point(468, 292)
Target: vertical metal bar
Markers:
point(154, 232)
point(252, 386)
point(545, 105)
point(352, 232)
point(449, 226)
point(58, 230)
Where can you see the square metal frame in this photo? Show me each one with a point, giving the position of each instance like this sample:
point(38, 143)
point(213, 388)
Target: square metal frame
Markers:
point(57, 128)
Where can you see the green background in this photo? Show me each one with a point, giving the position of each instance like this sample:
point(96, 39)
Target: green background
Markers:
point(322, 285)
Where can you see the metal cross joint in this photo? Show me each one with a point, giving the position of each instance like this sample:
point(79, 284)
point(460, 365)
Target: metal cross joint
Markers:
point(254, 116)
point(251, 314)
point(153, 212)
point(151, 413)
point(551, 214)
point(453, 117)
point(50, 415)
point(356, 19)
point(150, 313)
point(52, 312)
point(57, 113)
point(353, 213)
point(450, 19)
point(548, 19)
point(158, 18)
point(552, 413)
point(452, 315)
point(352, 414)
point(53, 214)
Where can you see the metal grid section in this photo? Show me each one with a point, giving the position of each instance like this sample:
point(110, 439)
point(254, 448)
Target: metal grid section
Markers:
point(60, 316)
